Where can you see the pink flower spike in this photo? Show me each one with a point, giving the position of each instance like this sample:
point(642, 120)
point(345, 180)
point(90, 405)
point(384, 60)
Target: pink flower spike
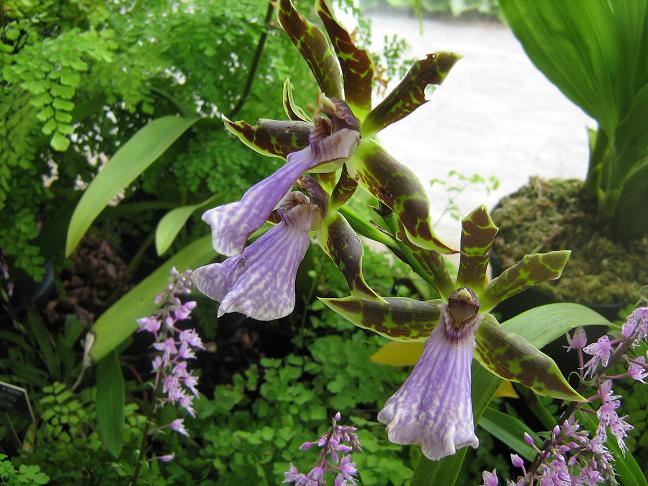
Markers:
point(637, 370)
point(178, 426)
point(578, 340)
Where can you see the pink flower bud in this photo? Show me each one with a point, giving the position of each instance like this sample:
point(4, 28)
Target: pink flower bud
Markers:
point(517, 461)
point(528, 439)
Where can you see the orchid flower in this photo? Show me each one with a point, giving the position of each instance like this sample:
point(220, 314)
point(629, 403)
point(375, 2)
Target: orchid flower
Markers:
point(433, 407)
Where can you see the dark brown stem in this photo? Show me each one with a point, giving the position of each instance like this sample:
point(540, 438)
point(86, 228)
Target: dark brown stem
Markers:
point(255, 61)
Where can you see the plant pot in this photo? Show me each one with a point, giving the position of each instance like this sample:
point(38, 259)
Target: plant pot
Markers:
point(556, 214)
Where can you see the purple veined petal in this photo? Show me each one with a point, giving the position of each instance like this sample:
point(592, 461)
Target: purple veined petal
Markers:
point(233, 223)
point(433, 407)
point(260, 282)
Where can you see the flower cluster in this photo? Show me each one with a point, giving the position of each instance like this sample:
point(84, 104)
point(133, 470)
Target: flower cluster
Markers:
point(174, 346)
point(335, 457)
point(572, 455)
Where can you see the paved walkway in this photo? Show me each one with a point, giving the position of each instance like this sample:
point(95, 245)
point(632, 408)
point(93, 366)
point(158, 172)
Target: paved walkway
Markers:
point(496, 114)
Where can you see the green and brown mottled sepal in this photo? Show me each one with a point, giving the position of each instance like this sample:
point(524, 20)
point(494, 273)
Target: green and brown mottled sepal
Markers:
point(344, 189)
point(410, 93)
point(343, 245)
point(528, 272)
point(271, 137)
point(396, 186)
point(357, 66)
point(314, 48)
point(293, 111)
point(398, 318)
point(513, 358)
point(432, 263)
point(477, 235)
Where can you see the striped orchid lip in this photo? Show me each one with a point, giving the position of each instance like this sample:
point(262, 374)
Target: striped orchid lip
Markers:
point(260, 282)
point(433, 408)
point(233, 223)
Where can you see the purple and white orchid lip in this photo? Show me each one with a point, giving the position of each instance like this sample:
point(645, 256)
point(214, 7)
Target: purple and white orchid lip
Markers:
point(233, 223)
point(260, 282)
point(433, 408)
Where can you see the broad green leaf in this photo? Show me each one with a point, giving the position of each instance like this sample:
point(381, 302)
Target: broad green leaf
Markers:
point(110, 403)
point(271, 137)
point(510, 430)
point(477, 235)
point(410, 93)
point(357, 66)
point(628, 470)
point(575, 45)
point(514, 358)
point(314, 48)
point(396, 186)
point(117, 323)
point(171, 224)
point(397, 318)
point(343, 246)
point(293, 112)
point(133, 158)
point(398, 353)
point(528, 272)
point(630, 220)
point(539, 326)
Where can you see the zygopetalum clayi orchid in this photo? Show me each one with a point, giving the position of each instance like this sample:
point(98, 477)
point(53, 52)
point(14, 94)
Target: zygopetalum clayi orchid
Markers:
point(433, 407)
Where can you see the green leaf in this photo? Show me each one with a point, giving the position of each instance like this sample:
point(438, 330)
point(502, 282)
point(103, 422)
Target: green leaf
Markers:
point(545, 323)
point(314, 48)
point(117, 323)
point(110, 403)
point(343, 246)
point(133, 158)
point(510, 430)
point(45, 114)
point(397, 318)
point(477, 235)
point(514, 358)
point(293, 112)
point(575, 45)
point(357, 66)
point(172, 222)
point(271, 137)
point(60, 142)
point(410, 93)
point(528, 272)
point(396, 186)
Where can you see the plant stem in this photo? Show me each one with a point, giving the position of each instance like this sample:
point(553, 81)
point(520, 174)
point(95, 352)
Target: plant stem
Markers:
point(255, 61)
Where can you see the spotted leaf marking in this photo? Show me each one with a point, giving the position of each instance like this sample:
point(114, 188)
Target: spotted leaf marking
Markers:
point(396, 318)
point(357, 66)
point(314, 48)
point(272, 137)
point(528, 272)
point(344, 189)
point(395, 185)
point(513, 358)
point(410, 93)
point(432, 262)
point(342, 244)
point(477, 235)
point(293, 112)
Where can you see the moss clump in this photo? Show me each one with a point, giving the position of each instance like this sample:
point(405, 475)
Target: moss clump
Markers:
point(556, 214)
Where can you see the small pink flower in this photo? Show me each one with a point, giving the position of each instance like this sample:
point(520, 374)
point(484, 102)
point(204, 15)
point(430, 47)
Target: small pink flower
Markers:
point(517, 461)
point(578, 340)
point(166, 457)
point(600, 352)
point(637, 370)
point(490, 478)
point(149, 324)
point(178, 426)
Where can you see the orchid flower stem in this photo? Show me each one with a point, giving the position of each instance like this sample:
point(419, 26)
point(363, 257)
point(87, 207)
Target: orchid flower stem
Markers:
point(255, 60)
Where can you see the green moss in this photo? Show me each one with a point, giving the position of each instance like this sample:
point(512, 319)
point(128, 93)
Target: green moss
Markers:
point(556, 214)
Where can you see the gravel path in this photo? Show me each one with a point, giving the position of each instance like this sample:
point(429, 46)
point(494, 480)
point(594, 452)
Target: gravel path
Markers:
point(496, 114)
